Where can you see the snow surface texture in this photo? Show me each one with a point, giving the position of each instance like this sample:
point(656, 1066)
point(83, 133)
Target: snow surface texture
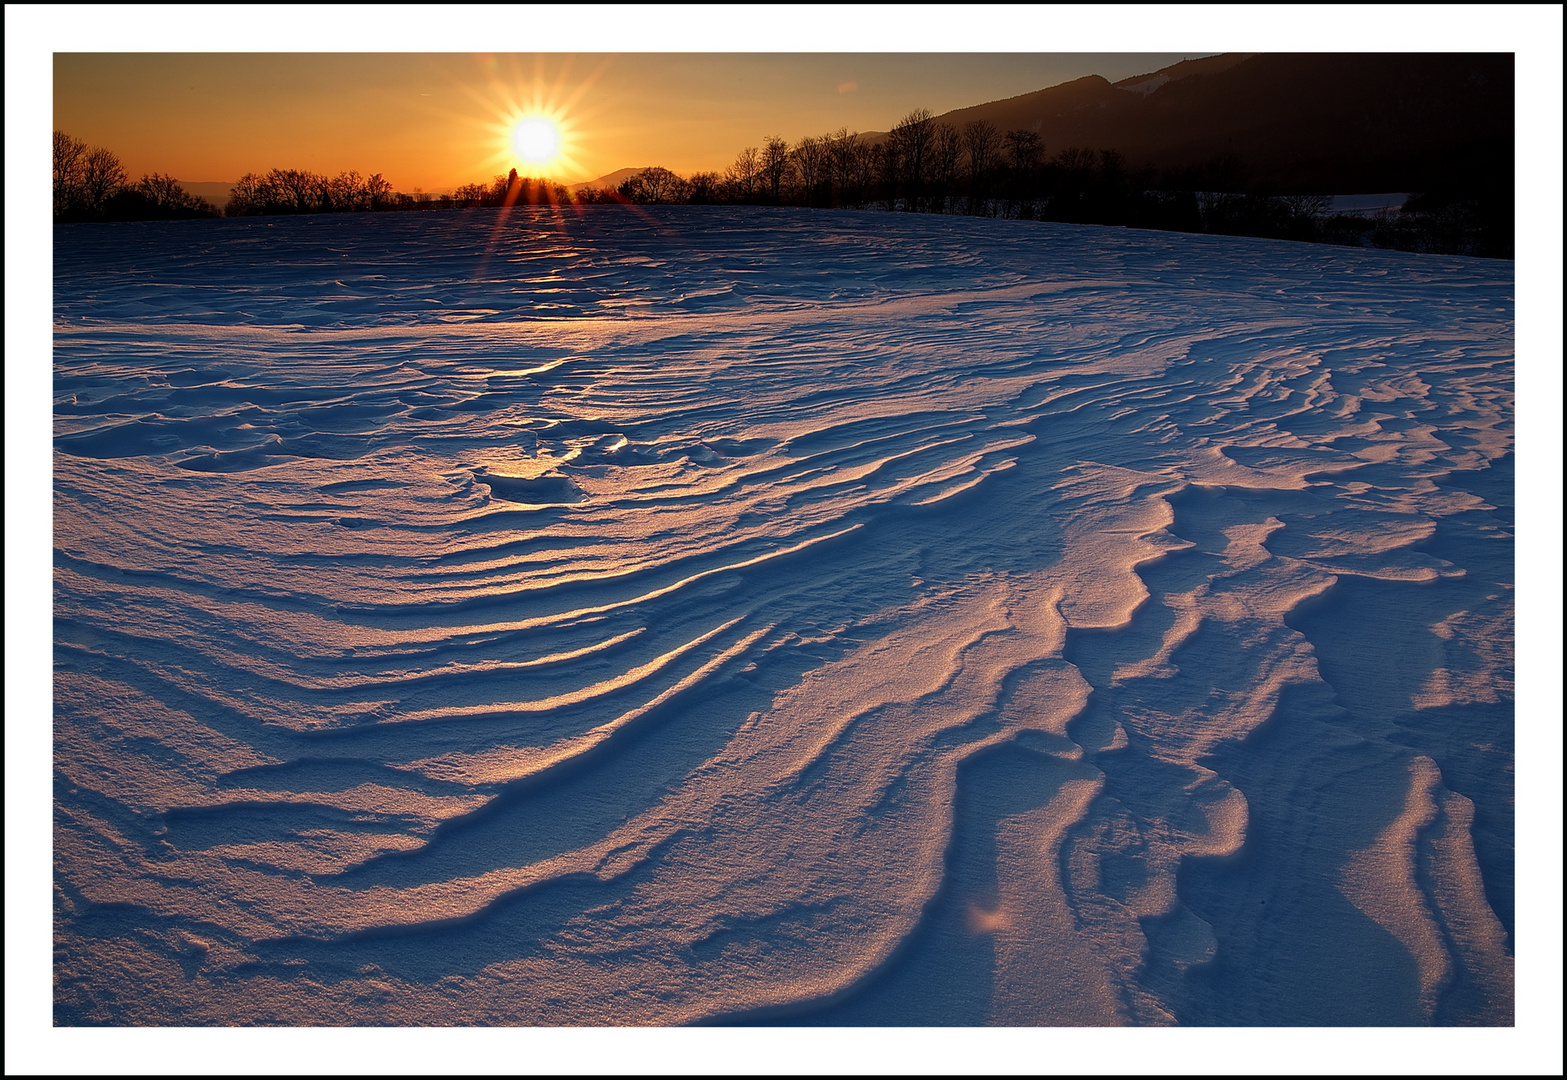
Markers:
point(720, 615)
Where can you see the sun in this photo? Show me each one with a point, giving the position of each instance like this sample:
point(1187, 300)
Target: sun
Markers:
point(535, 124)
point(536, 140)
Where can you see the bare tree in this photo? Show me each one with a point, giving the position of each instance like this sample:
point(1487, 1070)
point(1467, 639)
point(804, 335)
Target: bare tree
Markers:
point(1303, 214)
point(655, 184)
point(155, 197)
point(159, 188)
point(169, 198)
point(509, 188)
point(102, 176)
point(1073, 169)
point(245, 196)
point(1215, 208)
point(777, 165)
point(376, 190)
point(1078, 161)
point(912, 137)
point(983, 143)
point(346, 191)
point(946, 151)
point(866, 164)
point(468, 195)
point(1024, 150)
point(812, 162)
point(300, 191)
point(743, 174)
point(702, 188)
point(301, 188)
point(843, 149)
point(1306, 206)
point(84, 178)
point(68, 154)
point(321, 193)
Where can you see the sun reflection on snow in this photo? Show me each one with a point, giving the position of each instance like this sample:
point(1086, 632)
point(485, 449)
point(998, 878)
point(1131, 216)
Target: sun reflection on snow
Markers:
point(981, 921)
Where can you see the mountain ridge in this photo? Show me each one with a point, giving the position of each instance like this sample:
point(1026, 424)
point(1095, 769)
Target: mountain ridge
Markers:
point(1339, 122)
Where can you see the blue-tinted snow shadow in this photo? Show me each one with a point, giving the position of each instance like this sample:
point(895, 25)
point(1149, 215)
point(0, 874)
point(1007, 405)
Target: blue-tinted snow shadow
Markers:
point(942, 975)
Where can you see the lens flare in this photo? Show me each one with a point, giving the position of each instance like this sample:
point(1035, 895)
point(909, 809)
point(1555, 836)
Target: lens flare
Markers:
point(536, 122)
point(532, 123)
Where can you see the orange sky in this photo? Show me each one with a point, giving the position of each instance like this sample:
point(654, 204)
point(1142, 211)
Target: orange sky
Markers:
point(436, 120)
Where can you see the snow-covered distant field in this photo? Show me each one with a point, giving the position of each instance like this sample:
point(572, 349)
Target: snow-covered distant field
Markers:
point(1366, 205)
point(742, 615)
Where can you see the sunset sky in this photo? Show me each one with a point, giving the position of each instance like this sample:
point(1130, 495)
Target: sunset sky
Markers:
point(429, 97)
point(434, 121)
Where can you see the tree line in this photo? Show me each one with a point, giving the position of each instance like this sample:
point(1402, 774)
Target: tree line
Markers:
point(924, 166)
point(920, 166)
point(90, 184)
point(295, 191)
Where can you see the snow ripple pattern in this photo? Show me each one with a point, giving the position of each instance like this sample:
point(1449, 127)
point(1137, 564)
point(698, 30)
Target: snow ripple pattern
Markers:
point(710, 615)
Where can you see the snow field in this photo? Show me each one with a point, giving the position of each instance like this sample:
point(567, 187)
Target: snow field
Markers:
point(701, 614)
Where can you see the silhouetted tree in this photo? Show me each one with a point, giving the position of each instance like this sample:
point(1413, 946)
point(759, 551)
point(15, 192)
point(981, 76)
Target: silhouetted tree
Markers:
point(1107, 198)
point(595, 196)
point(1023, 151)
point(345, 192)
point(156, 197)
point(945, 154)
point(1072, 175)
point(983, 143)
point(301, 188)
point(102, 176)
point(1303, 213)
point(1438, 223)
point(811, 163)
point(68, 153)
point(884, 173)
point(245, 197)
point(84, 179)
point(703, 188)
point(742, 176)
point(299, 191)
point(843, 149)
point(377, 188)
point(654, 185)
point(911, 137)
point(510, 188)
point(865, 162)
point(777, 166)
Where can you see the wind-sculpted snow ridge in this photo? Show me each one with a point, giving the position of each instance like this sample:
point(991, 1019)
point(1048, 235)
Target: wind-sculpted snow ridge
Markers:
point(715, 615)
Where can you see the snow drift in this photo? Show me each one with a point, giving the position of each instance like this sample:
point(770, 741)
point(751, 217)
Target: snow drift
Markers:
point(733, 615)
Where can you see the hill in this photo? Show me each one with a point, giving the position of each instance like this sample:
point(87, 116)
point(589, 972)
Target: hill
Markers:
point(1290, 122)
point(608, 180)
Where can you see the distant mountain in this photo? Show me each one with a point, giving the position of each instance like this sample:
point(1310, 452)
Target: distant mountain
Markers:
point(1290, 122)
point(608, 180)
point(1207, 65)
point(215, 192)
